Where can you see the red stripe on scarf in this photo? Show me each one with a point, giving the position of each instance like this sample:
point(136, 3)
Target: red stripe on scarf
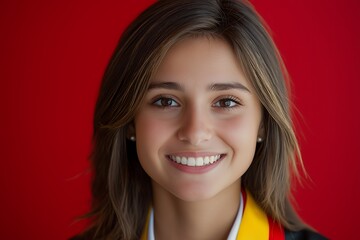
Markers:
point(276, 230)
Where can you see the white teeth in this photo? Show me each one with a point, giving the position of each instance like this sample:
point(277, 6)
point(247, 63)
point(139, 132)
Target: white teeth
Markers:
point(206, 160)
point(183, 160)
point(192, 162)
point(199, 161)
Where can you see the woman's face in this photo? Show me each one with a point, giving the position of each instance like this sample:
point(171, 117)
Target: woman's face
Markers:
point(197, 128)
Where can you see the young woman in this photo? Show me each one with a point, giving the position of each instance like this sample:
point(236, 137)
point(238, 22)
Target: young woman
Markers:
point(192, 132)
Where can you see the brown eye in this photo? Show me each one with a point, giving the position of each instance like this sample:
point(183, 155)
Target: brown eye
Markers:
point(165, 102)
point(226, 103)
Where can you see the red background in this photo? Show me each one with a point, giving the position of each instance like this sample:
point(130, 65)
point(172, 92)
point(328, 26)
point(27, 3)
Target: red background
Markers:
point(53, 53)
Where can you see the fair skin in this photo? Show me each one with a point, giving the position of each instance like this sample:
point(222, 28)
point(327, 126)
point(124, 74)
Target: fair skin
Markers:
point(196, 135)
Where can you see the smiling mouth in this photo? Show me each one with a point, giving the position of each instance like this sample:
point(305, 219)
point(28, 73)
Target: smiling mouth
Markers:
point(196, 161)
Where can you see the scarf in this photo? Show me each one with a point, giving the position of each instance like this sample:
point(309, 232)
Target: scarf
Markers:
point(255, 224)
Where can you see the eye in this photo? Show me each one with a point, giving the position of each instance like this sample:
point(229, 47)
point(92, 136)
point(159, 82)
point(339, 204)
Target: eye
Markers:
point(228, 102)
point(165, 102)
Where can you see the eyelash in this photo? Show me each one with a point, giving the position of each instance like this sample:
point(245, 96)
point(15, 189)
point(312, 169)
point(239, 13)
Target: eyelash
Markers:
point(158, 102)
point(234, 101)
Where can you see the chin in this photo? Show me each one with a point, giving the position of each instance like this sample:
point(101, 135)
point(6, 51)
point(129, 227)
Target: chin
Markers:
point(195, 194)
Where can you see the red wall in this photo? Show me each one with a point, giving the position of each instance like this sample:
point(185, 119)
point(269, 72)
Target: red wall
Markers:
point(53, 53)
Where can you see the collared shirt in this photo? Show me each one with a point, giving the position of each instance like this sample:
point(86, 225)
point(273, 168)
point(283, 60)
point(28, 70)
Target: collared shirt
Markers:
point(233, 231)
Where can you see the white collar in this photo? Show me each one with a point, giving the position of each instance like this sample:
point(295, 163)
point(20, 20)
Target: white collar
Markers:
point(233, 232)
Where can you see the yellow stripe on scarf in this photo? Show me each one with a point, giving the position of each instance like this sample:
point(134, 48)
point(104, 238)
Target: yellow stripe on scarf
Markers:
point(254, 223)
point(144, 235)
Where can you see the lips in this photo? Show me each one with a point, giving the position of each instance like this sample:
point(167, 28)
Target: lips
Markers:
point(195, 161)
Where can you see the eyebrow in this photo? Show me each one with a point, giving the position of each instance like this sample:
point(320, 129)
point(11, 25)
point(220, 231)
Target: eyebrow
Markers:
point(212, 87)
point(228, 86)
point(166, 85)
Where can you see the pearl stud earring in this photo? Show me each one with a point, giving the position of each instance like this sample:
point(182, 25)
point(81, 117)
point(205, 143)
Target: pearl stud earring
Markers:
point(132, 138)
point(259, 140)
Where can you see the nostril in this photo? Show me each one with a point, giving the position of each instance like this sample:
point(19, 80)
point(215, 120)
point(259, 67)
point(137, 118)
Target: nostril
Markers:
point(195, 137)
point(195, 127)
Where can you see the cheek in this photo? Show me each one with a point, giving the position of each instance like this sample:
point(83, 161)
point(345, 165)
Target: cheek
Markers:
point(240, 134)
point(151, 132)
point(240, 129)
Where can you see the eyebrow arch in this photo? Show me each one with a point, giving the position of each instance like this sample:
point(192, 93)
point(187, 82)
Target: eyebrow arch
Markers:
point(228, 86)
point(166, 85)
point(212, 87)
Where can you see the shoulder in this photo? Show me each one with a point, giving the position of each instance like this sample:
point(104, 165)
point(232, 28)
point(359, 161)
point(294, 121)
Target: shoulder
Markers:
point(304, 234)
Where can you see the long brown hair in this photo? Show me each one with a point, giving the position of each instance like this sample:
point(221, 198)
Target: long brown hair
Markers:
point(121, 190)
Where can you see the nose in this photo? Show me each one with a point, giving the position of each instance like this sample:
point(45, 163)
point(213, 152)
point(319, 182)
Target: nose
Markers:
point(195, 127)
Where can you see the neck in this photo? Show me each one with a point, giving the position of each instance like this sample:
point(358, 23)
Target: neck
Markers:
point(206, 219)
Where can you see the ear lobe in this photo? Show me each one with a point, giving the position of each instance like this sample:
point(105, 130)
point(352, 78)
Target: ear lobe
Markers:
point(261, 132)
point(130, 131)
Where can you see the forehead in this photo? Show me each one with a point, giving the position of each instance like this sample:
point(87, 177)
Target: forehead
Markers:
point(201, 58)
